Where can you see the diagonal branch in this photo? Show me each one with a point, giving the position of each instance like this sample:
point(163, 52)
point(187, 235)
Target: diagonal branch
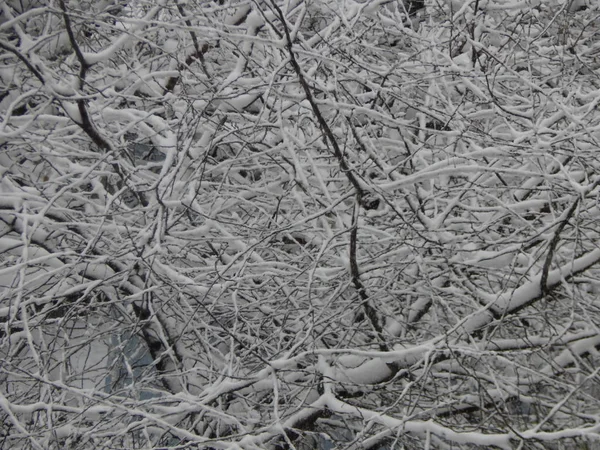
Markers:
point(15, 51)
point(552, 247)
point(328, 134)
point(370, 312)
point(86, 123)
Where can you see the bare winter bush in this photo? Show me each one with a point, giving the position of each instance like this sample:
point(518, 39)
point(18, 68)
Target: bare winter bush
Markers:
point(299, 224)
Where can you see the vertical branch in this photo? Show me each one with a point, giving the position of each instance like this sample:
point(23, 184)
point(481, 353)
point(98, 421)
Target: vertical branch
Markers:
point(328, 134)
point(198, 52)
point(474, 52)
point(552, 247)
point(369, 311)
point(86, 123)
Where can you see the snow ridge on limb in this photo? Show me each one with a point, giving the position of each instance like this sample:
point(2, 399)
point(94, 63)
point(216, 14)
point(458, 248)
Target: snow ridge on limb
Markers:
point(530, 292)
point(376, 370)
point(421, 428)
